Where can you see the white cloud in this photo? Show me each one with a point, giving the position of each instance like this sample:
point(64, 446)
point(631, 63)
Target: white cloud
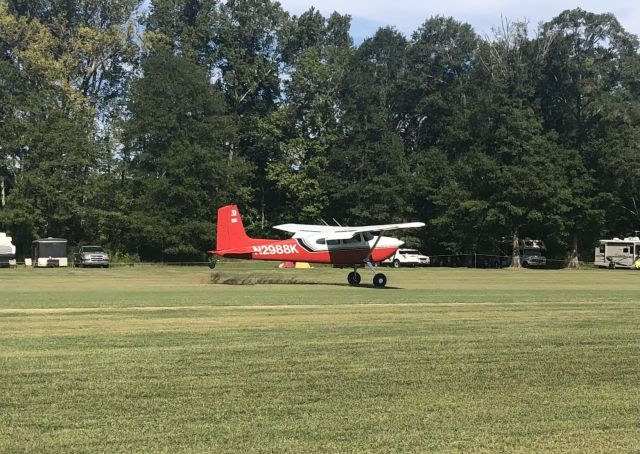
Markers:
point(408, 15)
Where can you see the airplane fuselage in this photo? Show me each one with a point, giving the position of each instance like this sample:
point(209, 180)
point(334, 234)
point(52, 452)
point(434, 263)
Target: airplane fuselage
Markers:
point(316, 249)
point(351, 246)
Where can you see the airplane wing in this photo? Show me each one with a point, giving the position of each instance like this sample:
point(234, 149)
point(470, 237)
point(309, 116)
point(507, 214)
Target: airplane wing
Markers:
point(344, 233)
point(295, 228)
point(385, 227)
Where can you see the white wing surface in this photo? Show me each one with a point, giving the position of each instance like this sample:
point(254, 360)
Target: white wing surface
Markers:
point(295, 228)
point(343, 233)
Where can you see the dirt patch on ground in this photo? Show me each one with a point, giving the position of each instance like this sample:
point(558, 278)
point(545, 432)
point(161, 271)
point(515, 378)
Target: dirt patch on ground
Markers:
point(260, 278)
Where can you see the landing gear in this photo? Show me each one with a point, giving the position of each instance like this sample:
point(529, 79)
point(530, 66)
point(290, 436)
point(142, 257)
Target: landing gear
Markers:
point(353, 278)
point(379, 280)
point(212, 262)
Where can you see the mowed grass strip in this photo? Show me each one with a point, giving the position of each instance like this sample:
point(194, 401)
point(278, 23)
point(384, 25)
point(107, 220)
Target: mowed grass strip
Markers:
point(192, 286)
point(160, 360)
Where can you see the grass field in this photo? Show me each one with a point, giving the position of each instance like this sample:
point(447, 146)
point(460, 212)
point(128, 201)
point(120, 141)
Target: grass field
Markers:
point(160, 359)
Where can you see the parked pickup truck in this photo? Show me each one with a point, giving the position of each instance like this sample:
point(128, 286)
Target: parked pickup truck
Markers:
point(91, 256)
point(407, 257)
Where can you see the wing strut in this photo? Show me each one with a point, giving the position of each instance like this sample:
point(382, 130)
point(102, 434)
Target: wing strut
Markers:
point(379, 279)
point(367, 260)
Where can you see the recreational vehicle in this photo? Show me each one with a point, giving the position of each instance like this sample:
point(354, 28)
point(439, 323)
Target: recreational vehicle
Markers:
point(531, 253)
point(617, 253)
point(49, 252)
point(7, 251)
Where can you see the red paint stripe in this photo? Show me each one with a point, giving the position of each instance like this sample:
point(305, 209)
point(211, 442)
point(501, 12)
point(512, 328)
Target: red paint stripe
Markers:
point(336, 256)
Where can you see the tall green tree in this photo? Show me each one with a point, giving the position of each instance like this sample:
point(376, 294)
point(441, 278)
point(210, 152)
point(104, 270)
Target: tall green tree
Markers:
point(187, 27)
point(308, 119)
point(520, 174)
point(250, 42)
point(73, 61)
point(48, 153)
point(368, 179)
point(93, 46)
point(589, 96)
point(507, 181)
point(432, 105)
point(179, 134)
point(433, 100)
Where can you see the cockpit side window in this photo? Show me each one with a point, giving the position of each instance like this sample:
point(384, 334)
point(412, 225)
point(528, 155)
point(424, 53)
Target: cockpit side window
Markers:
point(368, 236)
point(320, 241)
point(355, 239)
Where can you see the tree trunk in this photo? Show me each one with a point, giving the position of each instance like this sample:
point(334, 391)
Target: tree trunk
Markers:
point(262, 208)
point(515, 258)
point(573, 261)
point(231, 150)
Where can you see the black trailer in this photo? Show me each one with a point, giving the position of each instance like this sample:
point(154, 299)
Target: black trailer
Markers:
point(49, 252)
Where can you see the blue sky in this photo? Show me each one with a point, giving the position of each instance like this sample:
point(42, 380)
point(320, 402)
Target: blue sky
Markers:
point(408, 15)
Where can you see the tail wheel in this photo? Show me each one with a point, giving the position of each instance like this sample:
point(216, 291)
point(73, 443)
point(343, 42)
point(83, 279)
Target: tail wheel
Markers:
point(353, 278)
point(379, 280)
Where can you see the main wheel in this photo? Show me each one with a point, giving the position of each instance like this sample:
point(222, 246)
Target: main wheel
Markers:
point(379, 280)
point(396, 263)
point(212, 263)
point(353, 278)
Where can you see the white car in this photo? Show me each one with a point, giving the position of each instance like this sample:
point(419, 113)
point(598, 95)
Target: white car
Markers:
point(407, 257)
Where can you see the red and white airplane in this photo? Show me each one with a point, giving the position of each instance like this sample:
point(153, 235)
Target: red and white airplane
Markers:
point(336, 245)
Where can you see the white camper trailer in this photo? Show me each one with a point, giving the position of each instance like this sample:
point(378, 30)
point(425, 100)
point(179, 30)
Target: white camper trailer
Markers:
point(7, 251)
point(617, 253)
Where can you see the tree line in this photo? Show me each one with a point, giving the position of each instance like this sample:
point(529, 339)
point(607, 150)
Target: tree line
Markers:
point(127, 123)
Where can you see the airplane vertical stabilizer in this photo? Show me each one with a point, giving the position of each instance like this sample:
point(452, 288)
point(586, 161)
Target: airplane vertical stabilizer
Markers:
point(231, 233)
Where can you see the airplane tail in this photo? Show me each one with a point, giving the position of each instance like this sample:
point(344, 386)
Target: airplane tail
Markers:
point(231, 233)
